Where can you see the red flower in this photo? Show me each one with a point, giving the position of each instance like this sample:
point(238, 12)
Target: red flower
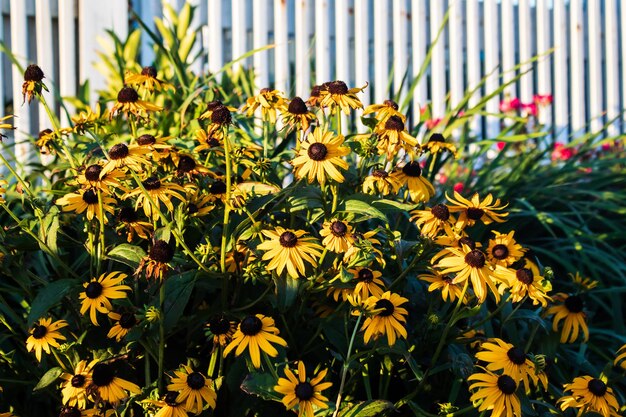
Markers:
point(510, 105)
point(459, 187)
point(542, 100)
point(432, 123)
point(530, 109)
point(561, 152)
point(501, 145)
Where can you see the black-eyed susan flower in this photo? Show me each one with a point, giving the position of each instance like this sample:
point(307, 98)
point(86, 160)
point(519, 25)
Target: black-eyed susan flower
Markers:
point(472, 210)
point(129, 220)
point(512, 360)
point(124, 322)
point(5, 125)
point(256, 333)
point(434, 220)
point(449, 290)
point(368, 283)
point(169, 406)
point(220, 117)
point(393, 136)
point(365, 245)
point(107, 386)
point(211, 106)
point(158, 148)
point(124, 156)
point(159, 192)
point(504, 250)
point(74, 389)
point(187, 166)
point(496, 393)
point(419, 188)
point(385, 317)
point(524, 282)
point(44, 335)
point(2, 191)
point(199, 203)
point(47, 139)
point(316, 95)
point(338, 95)
point(589, 394)
point(572, 315)
point(584, 283)
point(194, 389)
point(297, 115)
point(289, 249)
point(337, 235)
point(128, 102)
point(384, 111)
point(157, 260)
point(33, 82)
point(468, 264)
point(620, 357)
point(238, 258)
point(209, 141)
point(380, 182)
point(92, 177)
point(87, 201)
point(302, 392)
point(320, 156)
point(100, 291)
point(88, 119)
point(269, 101)
point(437, 143)
point(221, 329)
point(74, 411)
point(147, 79)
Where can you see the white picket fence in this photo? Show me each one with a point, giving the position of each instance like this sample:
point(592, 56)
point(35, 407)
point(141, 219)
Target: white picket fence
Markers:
point(377, 41)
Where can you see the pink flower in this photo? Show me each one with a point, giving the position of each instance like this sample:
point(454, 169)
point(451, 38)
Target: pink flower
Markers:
point(542, 100)
point(432, 123)
point(501, 145)
point(510, 105)
point(530, 109)
point(443, 178)
point(459, 187)
point(561, 152)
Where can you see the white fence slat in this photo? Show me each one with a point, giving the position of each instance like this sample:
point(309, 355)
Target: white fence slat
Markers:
point(45, 59)
point(281, 50)
point(623, 55)
point(544, 68)
point(2, 73)
point(239, 32)
point(561, 71)
point(612, 65)
point(473, 58)
point(197, 22)
point(67, 51)
point(303, 63)
point(381, 50)
point(400, 47)
point(455, 27)
point(216, 36)
point(261, 39)
point(525, 50)
point(577, 65)
point(342, 48)
point(362, 53)
point(322, 41)
point(492, 64)
point(419, 39)
point(595, 66)
point(509, 27)
point(438, 60)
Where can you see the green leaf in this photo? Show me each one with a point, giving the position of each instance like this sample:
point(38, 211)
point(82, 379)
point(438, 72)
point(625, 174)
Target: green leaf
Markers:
point(126, 254)
point(366, 210)
point(262, 385)
point(366, 409)
point(47, 297)
point(48, 378)
point(286, 292)
point(178, 289)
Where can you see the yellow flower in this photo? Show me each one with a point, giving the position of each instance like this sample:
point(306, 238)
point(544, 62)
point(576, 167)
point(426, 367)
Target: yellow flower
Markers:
point(337, 95)
point(590, 394)
point(497, 393)
point(620, 357)
point(523, 282)
point(222, 329)
point(45, 335)
point(504, 250)
point(449, 290)
point(365, 245)
point(33, 82)
point(368, 283)
point(212, 106)
point(384, 111)
point(393, 136)
point(5, 125)
point(98, 293)
point(158, 148)
point(474, 209)
point(124, 323)
point(129, 220)
point(87, 200)
point(84, 121)
point(302, 392)
point(420, 189)
point(257, 333)
point(297, 115)
point(512, 360)
point(188, 166)
point(123, 156)
point(74, 389)
point(573, 317)
point(287, 248)
point(199, 203)
point(107, 386)
point(584, 283)
point(337, 236)
point(159, 192)
point(156, 262)
point(269, 101)
point(209, 141)
point(239, 258)
point(2, 190)
point(437, 143)
point(320, 156)
point(433, 221)
point(147, 79)
point(128, 103)
point(380, 182)
point(92, 178)
point(194, 389)
point(387, 317)
point(169, 407)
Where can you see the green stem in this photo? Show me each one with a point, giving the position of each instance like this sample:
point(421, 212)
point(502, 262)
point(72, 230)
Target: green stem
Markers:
point(265, 138)
point(346, 365)
point(57, 129)
point(451, 322)
point(270, 365)
point(19, 179)
point(489, 316)
point(226, 218)
point(334, 189)
point(161, 335)
point(217, 351)
point(101, 244)
point(59, 361)
point(253, 303)
point(147, 369)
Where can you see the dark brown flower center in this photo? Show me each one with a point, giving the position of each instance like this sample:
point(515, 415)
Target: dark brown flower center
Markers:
point(221, 115)
point(516, 355)
point(412, 169)
point(500, 251)
point(394, 123)
point(441, 212)
point(338, 228)
point(192, 208)
point(195, 380)
point(380, 173)
point(118, 151)
point(102, 375)
point(127, 95)
point(387, 307)
point(506, 384)
point(93, 290)
point(214, 105)
point(475, 213)
point(365, 275)
point(161, 251)
point(337, 87)
point(146, 140)
point(149, 71)
point(151, 183)
point(70, 411)
point(525, 275)
point(475, 259)
point(316, 91)
point(77, 381)
point(127, 320)
point(212, 143)
point(597, 387)
point(90, 197)
point(304, 391)
point(288, 240)
point(128, 215)
point(218, 187)
point(317, 151)
point(92, 173)
point(467, 242)
point(574, 304)
point(391, 103)
point(251, 325)
point(33, 73)
point(219, 325)
point(297, 106)
point(39, 331)
point(186, 163)
point(44, 133)
point(437, 137)
point(170, 398)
